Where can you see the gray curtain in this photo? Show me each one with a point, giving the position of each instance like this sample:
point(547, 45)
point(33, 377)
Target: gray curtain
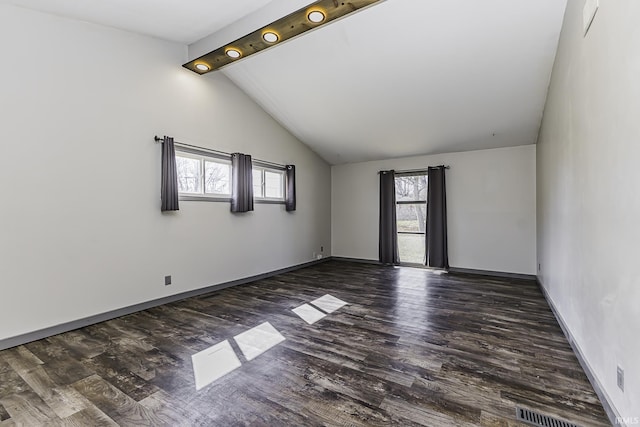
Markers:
point(436, 239)
point(169, 184)
point(388, 235)
point(242, 183)
point(290, 188)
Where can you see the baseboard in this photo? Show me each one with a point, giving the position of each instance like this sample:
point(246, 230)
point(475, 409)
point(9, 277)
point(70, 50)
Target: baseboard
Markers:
point(81, 323)
point(358, 260)
point(607, 404)
point(493, 273)
point(451, 269)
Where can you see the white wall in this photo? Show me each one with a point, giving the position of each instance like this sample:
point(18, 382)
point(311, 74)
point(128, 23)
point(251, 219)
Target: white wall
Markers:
point(81, 228)
point(490, 201)
point(589, 192)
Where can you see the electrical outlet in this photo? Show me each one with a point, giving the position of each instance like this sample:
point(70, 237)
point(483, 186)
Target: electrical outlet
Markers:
point(167, 280)
point(539, 267)
point(321, 248)
point(620, 373)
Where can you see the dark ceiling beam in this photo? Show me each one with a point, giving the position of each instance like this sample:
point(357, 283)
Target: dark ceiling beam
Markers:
point(286, 28)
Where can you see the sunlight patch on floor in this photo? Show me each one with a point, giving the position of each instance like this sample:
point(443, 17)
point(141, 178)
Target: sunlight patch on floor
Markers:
point(213, 363)
point(328, 303)
point(257, 340)
point(308, 313)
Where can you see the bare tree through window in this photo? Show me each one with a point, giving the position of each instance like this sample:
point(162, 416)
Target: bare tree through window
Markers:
point(189, 175)
point(200, 175)
point(217, 179)
point(205, 176)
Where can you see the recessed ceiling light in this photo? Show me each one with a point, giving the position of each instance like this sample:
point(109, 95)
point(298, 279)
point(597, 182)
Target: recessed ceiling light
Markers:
point(233, 53)
point(270, 37)
point(316, 16)
point(308, 18)
point(202, 67)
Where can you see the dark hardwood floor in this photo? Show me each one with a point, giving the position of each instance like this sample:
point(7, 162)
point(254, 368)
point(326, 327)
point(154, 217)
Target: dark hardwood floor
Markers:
point(412, 348)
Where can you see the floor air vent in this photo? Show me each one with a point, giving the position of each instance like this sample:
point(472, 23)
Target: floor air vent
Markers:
point(540, 420)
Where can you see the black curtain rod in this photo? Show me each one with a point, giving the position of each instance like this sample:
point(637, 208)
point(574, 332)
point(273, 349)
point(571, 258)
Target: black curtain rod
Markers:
point(417, 170)
point(224, 153)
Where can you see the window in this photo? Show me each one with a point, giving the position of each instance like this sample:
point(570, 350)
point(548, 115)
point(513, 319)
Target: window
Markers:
point(411, 214)
point(268, 183)
point(203, 176)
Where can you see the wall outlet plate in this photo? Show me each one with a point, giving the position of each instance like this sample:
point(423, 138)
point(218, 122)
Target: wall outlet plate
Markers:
point(620, 376)
point(167, 280)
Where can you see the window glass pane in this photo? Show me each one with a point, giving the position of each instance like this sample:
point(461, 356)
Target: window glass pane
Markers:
point(189, 175)
point(273, 182)
point(257, 183)
point(217, 178)
point(411, 217)
point(411, 248)
point(411, 188)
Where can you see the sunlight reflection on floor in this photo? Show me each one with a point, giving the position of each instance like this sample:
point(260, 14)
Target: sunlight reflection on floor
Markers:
point(257, 340)
point(213, 363)
point(220, 359)
point(328, 303)
point(308, 313)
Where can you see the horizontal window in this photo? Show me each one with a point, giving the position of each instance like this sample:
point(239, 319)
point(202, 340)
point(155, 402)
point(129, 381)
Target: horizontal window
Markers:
point(203, 176)
point(268, 183)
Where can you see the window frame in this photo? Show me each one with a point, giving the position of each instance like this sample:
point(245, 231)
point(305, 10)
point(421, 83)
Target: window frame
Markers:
point(413, 202)
point(204, 156)
point(263, 168)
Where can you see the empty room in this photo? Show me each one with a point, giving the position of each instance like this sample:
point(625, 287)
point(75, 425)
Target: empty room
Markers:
point(306, 213)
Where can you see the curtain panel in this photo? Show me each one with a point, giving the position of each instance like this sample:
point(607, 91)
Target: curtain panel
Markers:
point(169, 178)
point(242, 183)
point(290, 188)
point(436, 240)
point(388, 233)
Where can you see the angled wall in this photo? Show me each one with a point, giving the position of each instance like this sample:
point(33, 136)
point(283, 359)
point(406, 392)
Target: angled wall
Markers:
point(81, 227)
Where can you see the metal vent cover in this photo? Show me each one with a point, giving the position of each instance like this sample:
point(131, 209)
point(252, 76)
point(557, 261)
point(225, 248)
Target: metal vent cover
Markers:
point(540, 420)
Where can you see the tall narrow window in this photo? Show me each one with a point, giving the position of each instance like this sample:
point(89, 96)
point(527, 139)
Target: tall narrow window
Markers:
point(411, 215)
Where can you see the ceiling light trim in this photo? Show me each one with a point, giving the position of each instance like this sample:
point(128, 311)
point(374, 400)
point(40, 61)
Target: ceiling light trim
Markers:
point(316, 16)
point(271, 37)
point(201, 66)
point(286, 28)
point(233, 53)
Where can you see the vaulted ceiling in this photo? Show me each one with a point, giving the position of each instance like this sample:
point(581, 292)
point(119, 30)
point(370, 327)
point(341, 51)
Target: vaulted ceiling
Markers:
point(182, 21)
point(401, 78)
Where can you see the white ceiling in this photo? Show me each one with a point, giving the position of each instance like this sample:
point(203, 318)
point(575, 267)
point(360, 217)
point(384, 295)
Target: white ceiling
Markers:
point(401, 78)
point(183, 21)
point(408, 77)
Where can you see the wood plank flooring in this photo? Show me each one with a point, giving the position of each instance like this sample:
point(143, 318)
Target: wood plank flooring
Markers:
point(412, 348)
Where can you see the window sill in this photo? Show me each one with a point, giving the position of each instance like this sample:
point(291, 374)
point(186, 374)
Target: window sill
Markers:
point(203, 199)
point(226, 200)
